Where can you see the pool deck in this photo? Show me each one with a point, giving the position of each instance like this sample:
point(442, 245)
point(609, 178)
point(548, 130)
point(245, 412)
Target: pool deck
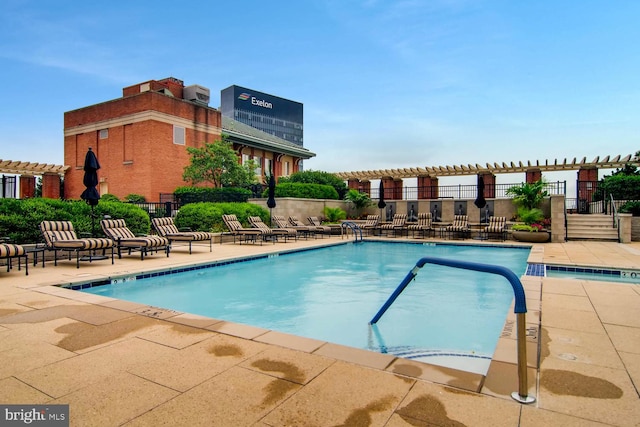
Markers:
point(119, 363)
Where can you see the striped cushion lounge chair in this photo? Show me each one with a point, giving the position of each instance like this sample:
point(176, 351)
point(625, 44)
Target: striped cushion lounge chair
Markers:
point(287, 233)
point(165, 227)
point(60, 236)
point(9, 251)
point(498, 226)
point(247, 234)
point(398, 224)
point(117, 230)
point(371, 224)
point(460, 226)
point(283, 224)
point(423, 226)
point(320, 229)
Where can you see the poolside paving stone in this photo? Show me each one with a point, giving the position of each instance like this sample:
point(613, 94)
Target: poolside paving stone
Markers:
point(73, 373)
point(344, 394)
point(290, 341)
point(114, 400)
point(190, 366)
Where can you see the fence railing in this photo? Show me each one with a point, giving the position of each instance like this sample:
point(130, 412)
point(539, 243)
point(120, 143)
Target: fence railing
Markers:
point(467, 191)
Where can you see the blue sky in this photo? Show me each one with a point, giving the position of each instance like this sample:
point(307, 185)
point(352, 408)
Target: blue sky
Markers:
point(385, 84)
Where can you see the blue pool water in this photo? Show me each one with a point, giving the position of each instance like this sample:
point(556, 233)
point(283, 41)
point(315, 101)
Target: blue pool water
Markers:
point(446, 316)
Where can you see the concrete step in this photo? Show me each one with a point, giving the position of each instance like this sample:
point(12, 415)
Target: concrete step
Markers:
point(591, 227)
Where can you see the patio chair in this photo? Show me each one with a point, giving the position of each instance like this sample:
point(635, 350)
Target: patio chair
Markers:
point(304, 229)
point(287, 233)
point(497, 226)
point(60, 236)
point(166, 227)
point(460, 227)
point(371, 224)
point(9, 251)
point(237, 230)
point(423, 226)
point(320, 229)
point(117, 230)
point(397, 225)
point(282, 224)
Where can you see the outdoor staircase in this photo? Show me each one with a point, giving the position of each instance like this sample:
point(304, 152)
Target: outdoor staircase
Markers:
point(591, 227)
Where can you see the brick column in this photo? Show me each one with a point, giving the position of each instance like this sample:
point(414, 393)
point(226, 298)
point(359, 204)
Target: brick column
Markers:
point(533, 175)
point(353, 183)
point(427, 187)
point(587, 178)
point(51, 186)
point(489, 185)
point(27, 186)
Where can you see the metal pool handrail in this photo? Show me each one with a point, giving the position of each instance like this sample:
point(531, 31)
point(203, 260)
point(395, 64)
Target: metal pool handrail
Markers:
point(354, 227)
point(520, 309)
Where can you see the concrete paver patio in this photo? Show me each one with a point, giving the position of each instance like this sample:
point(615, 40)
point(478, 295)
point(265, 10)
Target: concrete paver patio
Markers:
point(120, 363)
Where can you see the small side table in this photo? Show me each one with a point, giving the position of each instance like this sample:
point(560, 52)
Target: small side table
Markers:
point(39, 248)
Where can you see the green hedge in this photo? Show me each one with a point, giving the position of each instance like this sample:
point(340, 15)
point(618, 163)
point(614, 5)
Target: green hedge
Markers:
point(20, 219)
point(186, 195)
point(632, 207)
point(207, 216)
point(304, 191)
point(622, 187)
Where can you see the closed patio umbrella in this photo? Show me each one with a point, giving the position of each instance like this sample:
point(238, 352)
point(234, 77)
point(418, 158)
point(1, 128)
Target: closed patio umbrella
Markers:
point(90, 181)
point(381, 202)
point(271, 200)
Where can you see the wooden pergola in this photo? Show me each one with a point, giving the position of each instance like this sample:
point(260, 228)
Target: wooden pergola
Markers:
point(495, 168)
point(28, 168)
point(51, 177)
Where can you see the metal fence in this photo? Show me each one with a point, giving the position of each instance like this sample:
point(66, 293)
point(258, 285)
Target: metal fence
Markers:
point(498, 191)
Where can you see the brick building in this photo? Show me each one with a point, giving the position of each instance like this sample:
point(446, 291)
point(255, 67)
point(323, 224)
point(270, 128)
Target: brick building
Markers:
point(140, 140)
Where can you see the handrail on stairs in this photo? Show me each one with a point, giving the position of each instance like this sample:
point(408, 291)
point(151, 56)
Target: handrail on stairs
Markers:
point(354, 227)
point(520, 308)
point(614, 215)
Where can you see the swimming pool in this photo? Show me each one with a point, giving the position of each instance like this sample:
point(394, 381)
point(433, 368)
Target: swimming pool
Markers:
point(447, 316)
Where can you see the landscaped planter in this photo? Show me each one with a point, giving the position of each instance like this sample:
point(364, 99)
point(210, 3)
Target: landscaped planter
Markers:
point(531, 236)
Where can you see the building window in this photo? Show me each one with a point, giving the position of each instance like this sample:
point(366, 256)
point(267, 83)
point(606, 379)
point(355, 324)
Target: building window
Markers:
point(287, 171)
point(268, 166)
point(178, 135)
point(103, 133)
point(258, 161)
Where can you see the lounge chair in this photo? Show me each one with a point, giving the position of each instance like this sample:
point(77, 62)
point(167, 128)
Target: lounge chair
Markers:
point(397, 225)
point(320, 229)
point(237, 230)
point(287, 233)
point(116, 230)
point(371, 224)
point(460, 226)
point(301, 230)
point(423, 226)
point(165, 227)
point(498, 226)
point(9, 251)
point(60, 236)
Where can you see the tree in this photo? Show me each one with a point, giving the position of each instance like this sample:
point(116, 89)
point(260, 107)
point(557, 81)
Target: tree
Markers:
point(217, 163)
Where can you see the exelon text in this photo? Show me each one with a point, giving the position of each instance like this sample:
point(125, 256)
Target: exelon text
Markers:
point(261, 103)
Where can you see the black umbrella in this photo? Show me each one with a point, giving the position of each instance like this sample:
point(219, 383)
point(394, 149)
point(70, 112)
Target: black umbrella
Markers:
point(381, 203)
point(271, 201)
point(90, 180)
point(480, 202)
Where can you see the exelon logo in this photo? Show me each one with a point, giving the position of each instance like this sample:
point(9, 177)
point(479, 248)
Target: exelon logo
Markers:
point(255, 101)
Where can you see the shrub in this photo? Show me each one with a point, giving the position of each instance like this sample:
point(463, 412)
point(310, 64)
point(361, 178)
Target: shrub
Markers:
point(317, 177)
point(20, 219)
point(109, 198)
point(134, 198)
point(207, 216)
point(304, 191)
point(632, 207)
point(186, 195)
point(334, 214)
